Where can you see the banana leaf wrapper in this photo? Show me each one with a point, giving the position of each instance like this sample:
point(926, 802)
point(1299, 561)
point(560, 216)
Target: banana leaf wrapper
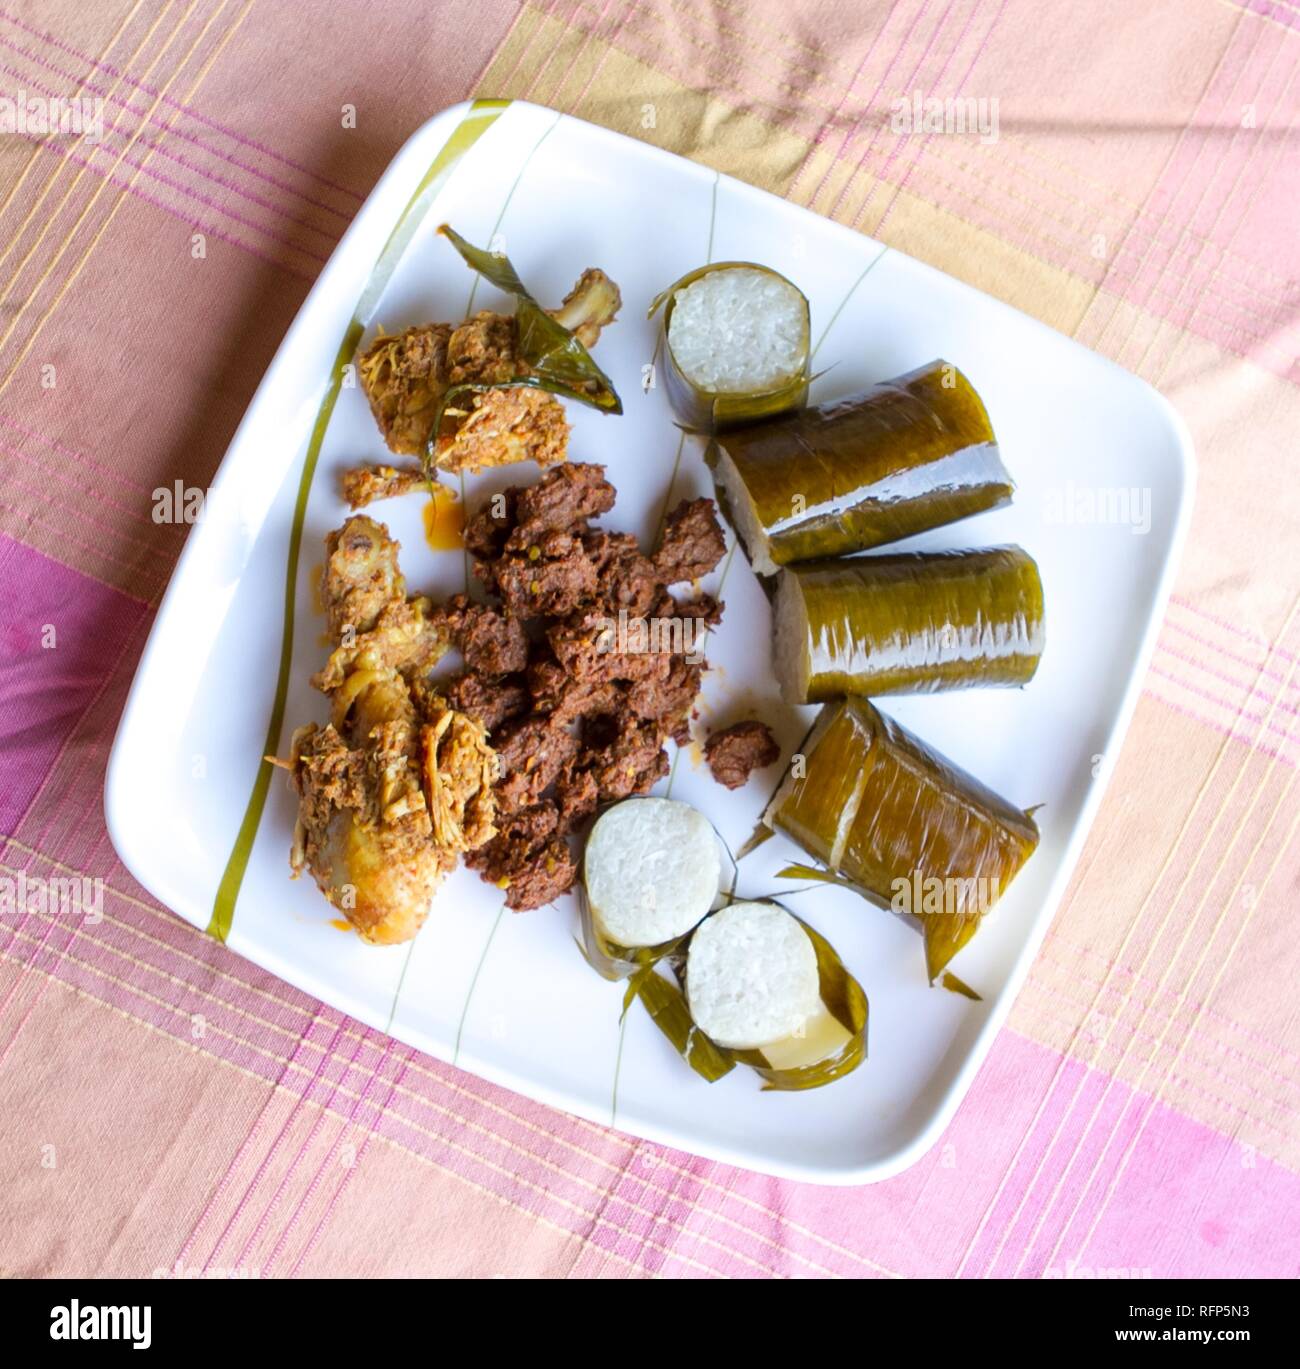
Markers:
point(709, 411)
point(833, 1045)
point(608, 958)
point(908, 623)
point(666, 1004)
point(896, 820)
point(907, 455)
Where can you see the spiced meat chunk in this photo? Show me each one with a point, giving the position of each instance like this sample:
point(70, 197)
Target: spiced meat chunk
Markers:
point(492, 643)
point(527, 858)
point(584, 668)
point(503, 427)
point(553, 579)
point(489, 701)
point(692, 542)
point(531, 753)
point(560, 502)
point(364, 485)
point(404, 376)
point(631, 762)
point(486, 532)
point(735, 752)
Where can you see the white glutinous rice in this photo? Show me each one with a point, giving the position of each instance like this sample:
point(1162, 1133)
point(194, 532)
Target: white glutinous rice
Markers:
point(651, 870)
point(738, 331)
point(751, 976)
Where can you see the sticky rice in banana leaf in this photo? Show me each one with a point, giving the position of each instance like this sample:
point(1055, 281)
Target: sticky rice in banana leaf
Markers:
point(904, 826)
point(736, 345)
point(908, 623)
point(906, 455)
point(757, 986)
point(650, 872)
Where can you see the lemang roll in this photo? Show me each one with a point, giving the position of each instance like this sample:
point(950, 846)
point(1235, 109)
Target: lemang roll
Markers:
point(907, 455)
point(736, 339)
point(902, 824)
point(907, 623)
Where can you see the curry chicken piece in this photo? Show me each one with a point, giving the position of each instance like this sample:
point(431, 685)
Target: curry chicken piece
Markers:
point(406, 376)
point(397, 785)
point(504, 427)
point(362, 485)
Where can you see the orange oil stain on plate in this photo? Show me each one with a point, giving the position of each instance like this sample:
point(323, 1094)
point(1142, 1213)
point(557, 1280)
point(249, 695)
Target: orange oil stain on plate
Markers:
point(444, 520)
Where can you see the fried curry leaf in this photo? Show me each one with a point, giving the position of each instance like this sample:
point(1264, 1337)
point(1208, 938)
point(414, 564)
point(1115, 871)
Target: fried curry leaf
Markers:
point(494, 267)
point(666, 1004)
point(545, 344)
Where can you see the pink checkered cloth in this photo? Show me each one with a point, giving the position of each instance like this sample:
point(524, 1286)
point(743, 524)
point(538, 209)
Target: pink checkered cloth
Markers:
point(165, 1105)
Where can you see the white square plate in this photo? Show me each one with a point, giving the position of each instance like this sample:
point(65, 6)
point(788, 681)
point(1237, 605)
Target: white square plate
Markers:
point(508, 996)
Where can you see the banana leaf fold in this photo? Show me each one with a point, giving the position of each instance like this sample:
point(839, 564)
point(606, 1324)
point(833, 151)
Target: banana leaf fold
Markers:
point(902, 825)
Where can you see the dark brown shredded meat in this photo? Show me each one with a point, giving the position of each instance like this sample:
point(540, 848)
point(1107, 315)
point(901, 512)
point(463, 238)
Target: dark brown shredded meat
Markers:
point(692, 542)
point(528, 858)
point(584, 672)
point(491, 702)
point(735, 752)
point(492, 643)
point(551, 579)
point(560, 503)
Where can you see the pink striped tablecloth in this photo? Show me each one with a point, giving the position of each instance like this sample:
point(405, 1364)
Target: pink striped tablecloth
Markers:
point(166, 1106)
